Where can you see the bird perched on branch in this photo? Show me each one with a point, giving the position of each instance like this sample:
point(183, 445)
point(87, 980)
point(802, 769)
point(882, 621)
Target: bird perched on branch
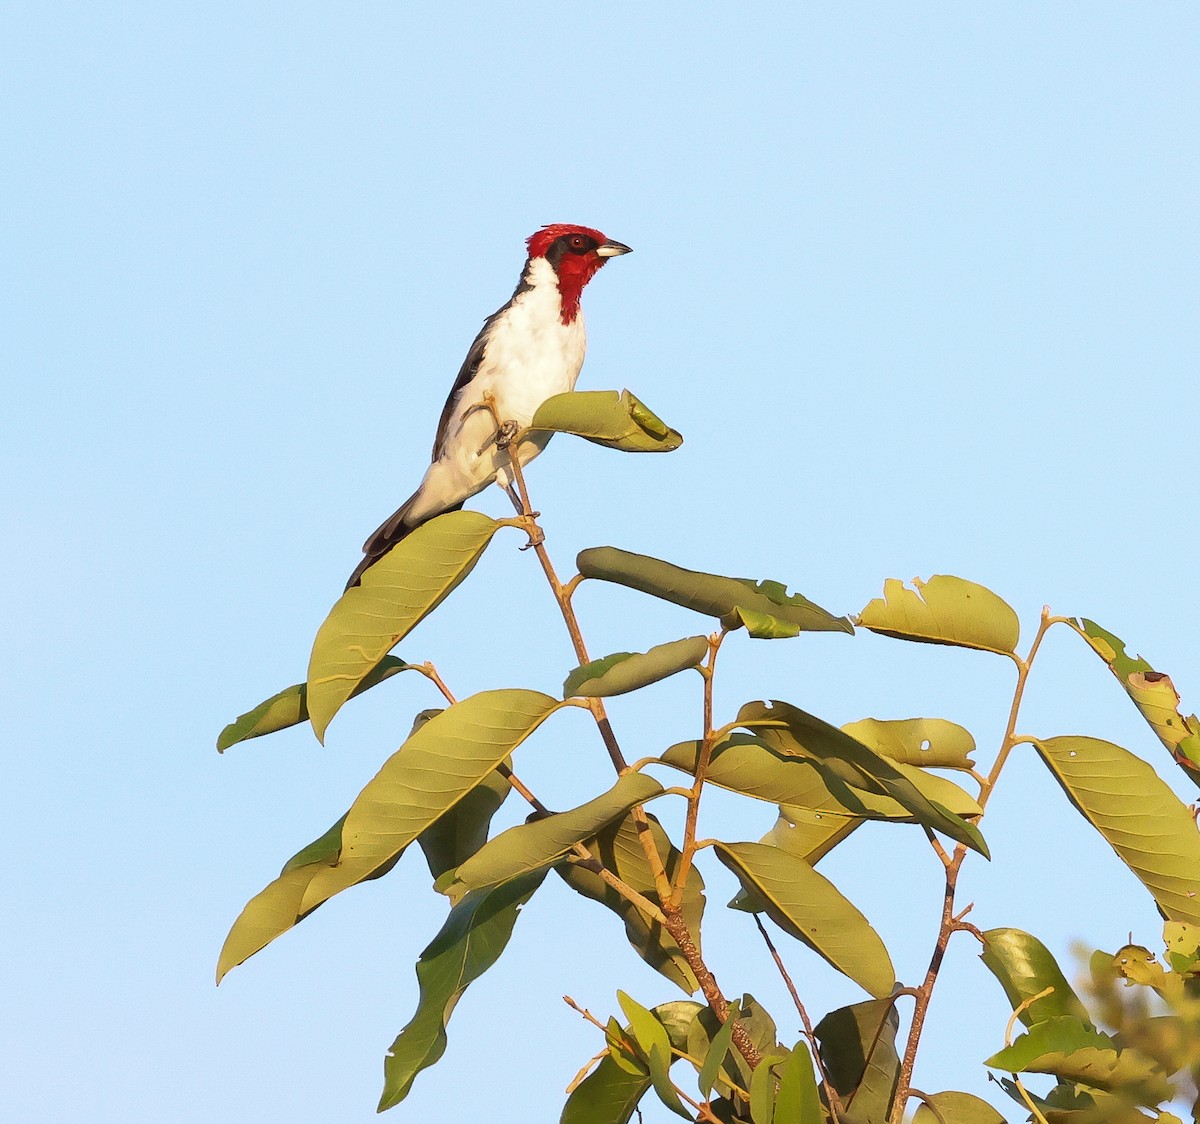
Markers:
point(526, 352)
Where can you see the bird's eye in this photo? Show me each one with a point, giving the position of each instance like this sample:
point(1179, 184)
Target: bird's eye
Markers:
point(578, 242)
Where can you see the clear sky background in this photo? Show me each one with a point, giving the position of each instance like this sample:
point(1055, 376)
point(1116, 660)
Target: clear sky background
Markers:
point(917, 282)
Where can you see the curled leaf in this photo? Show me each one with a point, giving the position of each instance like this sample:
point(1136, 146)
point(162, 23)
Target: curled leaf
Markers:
point(617, 421)
point(623, 672)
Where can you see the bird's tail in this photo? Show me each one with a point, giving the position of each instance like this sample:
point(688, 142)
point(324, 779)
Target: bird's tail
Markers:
point(394, 529)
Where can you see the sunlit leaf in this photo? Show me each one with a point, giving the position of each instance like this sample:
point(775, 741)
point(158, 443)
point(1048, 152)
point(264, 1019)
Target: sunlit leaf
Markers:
point(858, 1048)
point(627, 671)
point(1147, 825)
point(439, 764)
point(790, 730)
point(290, 706)
point(931, 743)
point(759, 1028)
point(1068, 1049)
point(617, 421)
point(459, 833)
point(798, 1099)
point(807, 906)
point(956, 1108)
point(618, 847)
point(762, 1090)
point(718, 1048)
point(944, 610)
point(706, 593)
point(395, 595)
point(1024, 967)
point(469, 943)
point(541, 842)
point(1154, 695)
point(652, 1038)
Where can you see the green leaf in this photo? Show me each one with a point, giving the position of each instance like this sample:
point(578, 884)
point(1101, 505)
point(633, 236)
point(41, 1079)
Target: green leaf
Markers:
point(717, 1050)
point(619, 849)
point(608, 1095)
point(396, 594)
point(706, 593)
point(460, 832)
point(1024, 967)
point(807, 906)
point(747, 764)
point(542, 842)
point(956, 1108)
point(290, 707)
point(1071, 1051)
point(1147, 825)
point(858, 1048)
point(790, 730)
point(652, 1039)
point(798, 1099)
point(279, 906)
point(469, 943)
point(759, 1027)
point(930, 743)
point(439, 764)
point(627, 671)
point(944, 610)
point(762, 1091)
point(617, 421)
point(1154, 695)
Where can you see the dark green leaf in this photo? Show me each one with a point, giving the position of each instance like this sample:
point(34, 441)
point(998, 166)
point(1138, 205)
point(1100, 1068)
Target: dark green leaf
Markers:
point(619, 849)
point(1071, 1051)
point(944, 610)
point(807, 906)
point(1024, 967)
point(290, 706)
point(1147, 825)
point(717, 1050)
point(542, 842)
point(396, 594)
point(627, 671)
point(456, 835)
point(654, 1043)
point(790, 730)
point(760, 1028)
point(706, 593)
point(608, 1095)
point(617, 421)
point(858, 1048)
point(469, 943)
point(798, 1099)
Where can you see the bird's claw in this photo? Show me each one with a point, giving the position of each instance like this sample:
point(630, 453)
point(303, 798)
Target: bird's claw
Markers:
point(536, 535)
point(505, 433)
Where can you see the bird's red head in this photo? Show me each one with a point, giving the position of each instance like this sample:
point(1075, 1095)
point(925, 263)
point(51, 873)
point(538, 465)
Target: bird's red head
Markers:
point(576, 253)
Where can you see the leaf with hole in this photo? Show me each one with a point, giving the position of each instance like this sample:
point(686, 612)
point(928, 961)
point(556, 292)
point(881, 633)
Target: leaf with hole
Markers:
point(930, 743)
point(469, 943)
point(944, 610)
point(290, 706)
point(623, 672)
point(807, 906)
point(710, 594)
point(395, 595)
point(1153, 694)
point(543, 841)
point(1144, 822)
point(616, 421)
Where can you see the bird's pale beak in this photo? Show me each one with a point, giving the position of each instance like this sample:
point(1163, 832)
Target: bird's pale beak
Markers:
point(611, 249)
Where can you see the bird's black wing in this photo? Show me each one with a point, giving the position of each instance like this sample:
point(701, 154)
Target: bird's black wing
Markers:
point(469, 368)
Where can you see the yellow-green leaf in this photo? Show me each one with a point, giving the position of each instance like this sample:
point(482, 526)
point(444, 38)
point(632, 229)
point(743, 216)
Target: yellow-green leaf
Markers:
point(710, 594)
point(944, 610)
point(290, 706)
point(1153, 694)
point(395, 595)
point(627, 671)
point(617, 421)
point(542, 842)
point(1025, 968)
point(807, 906)
point(931, 743)
point(1147, 825)
point(652, 1039)
point(956, 1108)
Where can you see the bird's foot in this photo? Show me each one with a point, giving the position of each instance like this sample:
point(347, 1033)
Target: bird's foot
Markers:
point(505, 433)
point(536, 535)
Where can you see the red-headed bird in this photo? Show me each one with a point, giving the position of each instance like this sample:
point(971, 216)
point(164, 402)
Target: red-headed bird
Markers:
point(526, 352)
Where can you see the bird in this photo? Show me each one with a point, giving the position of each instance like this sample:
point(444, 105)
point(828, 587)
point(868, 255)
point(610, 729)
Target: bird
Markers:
point(527, 351)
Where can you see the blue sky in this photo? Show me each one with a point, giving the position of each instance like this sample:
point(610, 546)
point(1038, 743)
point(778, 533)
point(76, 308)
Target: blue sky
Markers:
point(918, 284)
